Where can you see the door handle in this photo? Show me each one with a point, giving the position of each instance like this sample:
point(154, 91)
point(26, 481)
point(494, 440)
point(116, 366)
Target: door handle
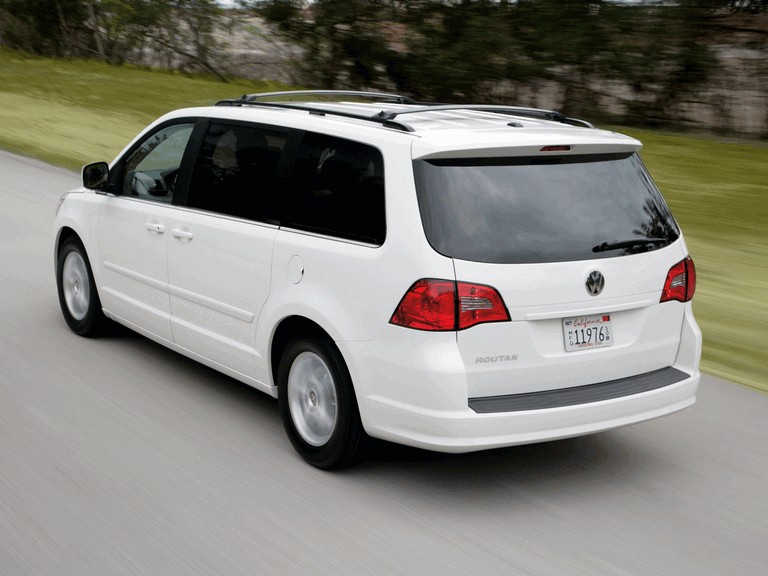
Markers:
point(155, 226)
point(182, 233)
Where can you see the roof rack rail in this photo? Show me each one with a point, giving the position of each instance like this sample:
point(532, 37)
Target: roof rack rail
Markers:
point(330, 94)
point(386, 117)
point(318, 111)
point(321, 96)
point(538, 113)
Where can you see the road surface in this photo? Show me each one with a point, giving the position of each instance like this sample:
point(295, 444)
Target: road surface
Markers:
point(119, 457)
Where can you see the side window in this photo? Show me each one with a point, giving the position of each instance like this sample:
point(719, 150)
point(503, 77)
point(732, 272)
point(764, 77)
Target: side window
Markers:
point(337, 189)
point(235, 171)
point(152, 169)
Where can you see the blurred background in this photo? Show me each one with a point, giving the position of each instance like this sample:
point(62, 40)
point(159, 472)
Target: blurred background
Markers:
point(689, 78)
point(686, 63)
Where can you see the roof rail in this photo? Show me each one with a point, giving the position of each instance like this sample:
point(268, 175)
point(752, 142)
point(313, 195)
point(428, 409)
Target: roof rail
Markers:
point(385, 117)
point(330, 95)
point(318, 111)
point(385, 96)
point(539, 113)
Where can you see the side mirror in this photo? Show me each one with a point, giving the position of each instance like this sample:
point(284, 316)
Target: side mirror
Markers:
point(96, 175)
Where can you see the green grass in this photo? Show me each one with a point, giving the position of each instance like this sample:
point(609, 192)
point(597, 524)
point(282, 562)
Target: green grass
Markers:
point(718, 191)
point(70, 112)
point(73, 112)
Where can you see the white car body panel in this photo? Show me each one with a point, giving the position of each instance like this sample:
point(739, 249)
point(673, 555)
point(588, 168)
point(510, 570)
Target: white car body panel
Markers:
point(219, 278)
point(133, 262)
point(217, 289)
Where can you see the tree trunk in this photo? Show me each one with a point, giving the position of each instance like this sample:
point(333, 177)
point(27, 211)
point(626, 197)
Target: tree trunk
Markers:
point(96, 32)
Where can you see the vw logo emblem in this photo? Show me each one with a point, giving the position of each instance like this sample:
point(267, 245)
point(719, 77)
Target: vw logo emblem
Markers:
point(595, 282)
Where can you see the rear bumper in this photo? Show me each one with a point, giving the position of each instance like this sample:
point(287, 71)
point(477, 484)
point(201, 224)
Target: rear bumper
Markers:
point(415, 392)
point(467, 430)
point(587, 394)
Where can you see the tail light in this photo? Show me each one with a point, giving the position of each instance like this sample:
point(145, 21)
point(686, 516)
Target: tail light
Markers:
point(445, 305)
point(681, 282)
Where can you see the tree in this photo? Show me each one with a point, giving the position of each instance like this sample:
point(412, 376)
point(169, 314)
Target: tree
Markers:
point(565, 44)
point(180, 30)
point(116, 30)
point(653, 55)
point(452, 51)
point(344, 44)
point(42, 27)
point(660, 52)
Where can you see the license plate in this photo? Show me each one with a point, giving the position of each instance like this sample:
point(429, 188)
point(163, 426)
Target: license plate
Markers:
point(584, 332)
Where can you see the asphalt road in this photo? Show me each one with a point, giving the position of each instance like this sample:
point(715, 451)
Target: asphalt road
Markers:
point(118, 457)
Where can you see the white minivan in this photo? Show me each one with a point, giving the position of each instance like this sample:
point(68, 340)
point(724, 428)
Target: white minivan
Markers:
point(451, 277)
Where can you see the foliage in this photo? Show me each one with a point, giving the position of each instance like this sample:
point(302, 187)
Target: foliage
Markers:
point(643, 59)
point(343, 44)
point(116, 31)
point(451, 51)
point(33, 26)
point(660, 53)
point(662, 56)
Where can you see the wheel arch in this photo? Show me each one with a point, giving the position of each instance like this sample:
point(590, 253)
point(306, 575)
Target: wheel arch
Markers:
point(288, 329)
point(66, 233)
point(62, 235)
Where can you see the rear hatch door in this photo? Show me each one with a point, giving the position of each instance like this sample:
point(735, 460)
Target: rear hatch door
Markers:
point(578, 246)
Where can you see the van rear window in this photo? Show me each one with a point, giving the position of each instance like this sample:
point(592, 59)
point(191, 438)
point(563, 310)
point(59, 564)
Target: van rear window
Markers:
point(553, 209)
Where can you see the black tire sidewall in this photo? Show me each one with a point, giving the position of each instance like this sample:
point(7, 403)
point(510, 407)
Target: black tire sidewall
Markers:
point(342, 447)
point(93, 319)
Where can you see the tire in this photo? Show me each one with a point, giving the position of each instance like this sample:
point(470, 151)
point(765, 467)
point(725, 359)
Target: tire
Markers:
point(318, 404)
point(78, 297)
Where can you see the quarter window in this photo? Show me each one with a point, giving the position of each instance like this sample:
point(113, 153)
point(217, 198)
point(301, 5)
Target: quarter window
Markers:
point(337, 189)
point(152, 170)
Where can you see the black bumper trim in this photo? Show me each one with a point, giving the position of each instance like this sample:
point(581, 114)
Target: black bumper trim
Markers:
point(578, 394)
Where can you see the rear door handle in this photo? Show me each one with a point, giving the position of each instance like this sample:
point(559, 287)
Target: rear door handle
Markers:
point(182, 233)
point(155, 226)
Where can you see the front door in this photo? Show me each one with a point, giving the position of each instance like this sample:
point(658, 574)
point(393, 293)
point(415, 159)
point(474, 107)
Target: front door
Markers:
point(134, 232)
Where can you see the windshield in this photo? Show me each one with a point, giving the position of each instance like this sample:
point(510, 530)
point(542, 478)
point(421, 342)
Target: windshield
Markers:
point(554, 209)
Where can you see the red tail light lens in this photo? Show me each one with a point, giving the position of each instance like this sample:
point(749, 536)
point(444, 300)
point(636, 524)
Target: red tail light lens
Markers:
point(444, 305)
point(681, 282)
point(428, 305)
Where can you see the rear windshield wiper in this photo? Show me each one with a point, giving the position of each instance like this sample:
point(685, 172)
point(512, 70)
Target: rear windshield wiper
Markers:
point(617, 245)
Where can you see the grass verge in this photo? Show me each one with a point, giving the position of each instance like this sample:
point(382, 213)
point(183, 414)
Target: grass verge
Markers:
point(70, 112)
point(718, 191)
point(73, 112)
